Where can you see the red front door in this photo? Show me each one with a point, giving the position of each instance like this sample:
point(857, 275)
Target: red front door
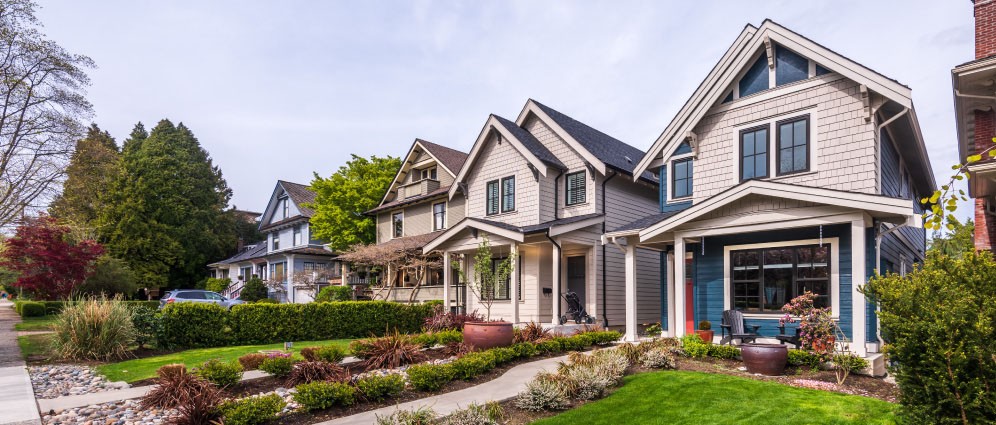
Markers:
point(689, 295)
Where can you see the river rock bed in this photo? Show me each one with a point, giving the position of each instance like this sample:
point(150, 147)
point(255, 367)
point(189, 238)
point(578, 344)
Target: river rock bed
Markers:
point(124, 412)
point(65, 380)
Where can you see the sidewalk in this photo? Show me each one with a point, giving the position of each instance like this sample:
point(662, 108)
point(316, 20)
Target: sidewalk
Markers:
point(17, 398)
point(501, 388)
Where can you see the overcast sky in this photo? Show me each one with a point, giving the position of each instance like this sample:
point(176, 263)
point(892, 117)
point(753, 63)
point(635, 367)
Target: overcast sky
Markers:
point(279, 90)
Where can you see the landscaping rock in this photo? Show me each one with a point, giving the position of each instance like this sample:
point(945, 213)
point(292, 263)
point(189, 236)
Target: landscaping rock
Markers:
point(119, 412)
point(64, 380)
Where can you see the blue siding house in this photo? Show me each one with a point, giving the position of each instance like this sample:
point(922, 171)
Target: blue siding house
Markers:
point(791, 168)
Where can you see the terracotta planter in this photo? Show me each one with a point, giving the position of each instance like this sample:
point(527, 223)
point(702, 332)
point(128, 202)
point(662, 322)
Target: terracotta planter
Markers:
point(706, 335)
point(766, 359)
point(485, 335)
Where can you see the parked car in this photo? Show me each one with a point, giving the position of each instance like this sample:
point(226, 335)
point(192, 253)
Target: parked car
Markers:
point(197, 296)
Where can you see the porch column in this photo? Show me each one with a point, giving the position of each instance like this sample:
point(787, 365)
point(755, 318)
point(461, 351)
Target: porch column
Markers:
point(514, 282)
point(677, 327)
point(630, 272)
point(447, 275)
point(669, 283)
point(556, 285)
point(289, 275)
point(857, 280)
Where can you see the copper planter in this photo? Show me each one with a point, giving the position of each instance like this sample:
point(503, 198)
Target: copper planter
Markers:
point(766, 359)
point(485, 335)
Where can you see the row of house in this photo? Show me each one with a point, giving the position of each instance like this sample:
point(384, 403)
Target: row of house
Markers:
point(791, 168)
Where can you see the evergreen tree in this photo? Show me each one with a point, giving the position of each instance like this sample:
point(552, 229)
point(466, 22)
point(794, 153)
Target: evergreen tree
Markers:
point(167, 208)
point(92, 169)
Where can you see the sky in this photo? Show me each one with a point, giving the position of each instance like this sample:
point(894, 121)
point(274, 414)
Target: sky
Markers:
point(283, 90)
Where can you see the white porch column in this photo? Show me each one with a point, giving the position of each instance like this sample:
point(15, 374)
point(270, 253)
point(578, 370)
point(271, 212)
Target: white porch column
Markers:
point(289, 275)
point(858, 279)
point(556, 285)
point(670, 294)
point(630, 271)
point(677, 328)
point(514, 282)
point(447, 276)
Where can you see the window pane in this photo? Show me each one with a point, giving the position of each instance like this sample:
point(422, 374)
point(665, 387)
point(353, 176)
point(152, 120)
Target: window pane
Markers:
point(821, 70)
point(748, 144)
point(777, 287)
point(756, 78)
point(799, 132)
point(748, 168)
point(760, 165)
point(761, 141)
point(789, 66)
point(785, 162)
point(800, 157)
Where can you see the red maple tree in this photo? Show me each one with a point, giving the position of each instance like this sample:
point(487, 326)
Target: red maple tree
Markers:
point(48, 264)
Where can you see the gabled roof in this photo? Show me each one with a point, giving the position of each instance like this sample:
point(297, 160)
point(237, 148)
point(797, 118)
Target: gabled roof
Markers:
point(300, 194)
point(408, 201)
point(450, 160)
point(251, 251)
point(516, 233)
point(614, 153)
point(738, 57)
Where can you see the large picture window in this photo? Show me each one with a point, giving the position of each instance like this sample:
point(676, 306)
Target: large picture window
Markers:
point(754, 153)
point(492, 196)
point(575, 188)
point(793, 145)
point(508, 194)
point(764, 280)
point(681, 178)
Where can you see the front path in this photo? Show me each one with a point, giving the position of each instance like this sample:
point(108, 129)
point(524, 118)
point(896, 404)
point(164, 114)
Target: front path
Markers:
point(501, 388)
point(17, 399)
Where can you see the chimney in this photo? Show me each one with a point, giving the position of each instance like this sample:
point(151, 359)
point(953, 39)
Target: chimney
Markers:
point(241, 245)
point(985, 28)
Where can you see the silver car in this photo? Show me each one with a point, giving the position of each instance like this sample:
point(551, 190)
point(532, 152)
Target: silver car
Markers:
point(197, 296)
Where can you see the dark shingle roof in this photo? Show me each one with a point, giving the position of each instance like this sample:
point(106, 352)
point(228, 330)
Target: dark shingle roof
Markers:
point(409, 201)
point(531, 143)
point(537, 228)
point(613, 152)
point(451, 158)
point(645, 222)
point(253, 250)
point(300, 194)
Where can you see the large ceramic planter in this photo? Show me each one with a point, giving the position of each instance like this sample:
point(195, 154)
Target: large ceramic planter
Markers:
point(485, 335)
point(766, 359)
point(706, 335)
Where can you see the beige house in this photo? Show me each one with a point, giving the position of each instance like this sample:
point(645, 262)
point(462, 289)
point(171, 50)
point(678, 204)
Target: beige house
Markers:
point(544, 188)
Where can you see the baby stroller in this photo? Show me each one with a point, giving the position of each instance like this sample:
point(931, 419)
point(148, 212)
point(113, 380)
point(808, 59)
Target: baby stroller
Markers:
point(575, 310)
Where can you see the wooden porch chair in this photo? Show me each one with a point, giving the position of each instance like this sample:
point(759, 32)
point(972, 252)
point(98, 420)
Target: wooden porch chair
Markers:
point(734, 325)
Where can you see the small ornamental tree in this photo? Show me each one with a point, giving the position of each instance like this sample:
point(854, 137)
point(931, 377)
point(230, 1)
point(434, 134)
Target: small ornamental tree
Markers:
point(487, 276)
point(48, 264)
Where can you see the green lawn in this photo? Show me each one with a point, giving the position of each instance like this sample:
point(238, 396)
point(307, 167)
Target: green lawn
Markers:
point(675, 397)
point(139, 369)
point(43, 323)
point(34, 344)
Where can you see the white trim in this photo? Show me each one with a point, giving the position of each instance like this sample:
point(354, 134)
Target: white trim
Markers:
point(482, 138)
point(567, 228)
point(670, 179)
point(858, 280)
point(407, 162)
point(772, 123)
point(446, 215)
point(834, 270)
point(471, 223)
point(531, 106)
point(402, 211)
point(780, 91)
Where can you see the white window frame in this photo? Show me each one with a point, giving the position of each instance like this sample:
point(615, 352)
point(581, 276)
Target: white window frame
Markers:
point(834, 273)
point(297, 236)
point(670, 177)
point(772, 123)
point(771, 72)
point(445, 216)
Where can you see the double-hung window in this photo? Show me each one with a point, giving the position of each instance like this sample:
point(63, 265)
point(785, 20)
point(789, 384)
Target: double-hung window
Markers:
point(681, 178)
point(575, 188)
point(754, 153)
point(276, 241)
point(297, 236)
point(285, 207)
point(398, 224)
point(492, 198)
point(793, 145)
point(508, 194)
point(764, 280)
point(438, 216)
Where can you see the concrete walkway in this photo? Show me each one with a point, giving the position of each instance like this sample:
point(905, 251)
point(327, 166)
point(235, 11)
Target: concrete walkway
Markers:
point(17, 398)
point(501, 388)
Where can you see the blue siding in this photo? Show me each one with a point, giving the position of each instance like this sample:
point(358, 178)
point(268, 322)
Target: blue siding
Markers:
point(664, 187)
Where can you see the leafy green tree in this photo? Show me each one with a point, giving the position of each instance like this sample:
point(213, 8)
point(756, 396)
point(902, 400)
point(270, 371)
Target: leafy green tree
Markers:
point(957, 241)
point(253, 290)
point(111, 276)
point(342, 199)
point(166, 214)
point(89, 175)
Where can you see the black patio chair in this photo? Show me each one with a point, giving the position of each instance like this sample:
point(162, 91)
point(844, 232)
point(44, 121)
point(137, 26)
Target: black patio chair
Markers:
point(733, 323)
point(794, 339)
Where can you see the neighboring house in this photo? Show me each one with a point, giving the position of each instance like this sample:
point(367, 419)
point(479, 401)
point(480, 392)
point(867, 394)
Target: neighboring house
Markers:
point(413, 211)
point(293, 263)
point(543, 188)
point(791, 168)
point(974, 95)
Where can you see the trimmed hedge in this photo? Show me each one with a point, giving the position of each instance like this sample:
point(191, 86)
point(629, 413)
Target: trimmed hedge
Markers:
point(55, 307)
point(31, 309)
point(194, 325)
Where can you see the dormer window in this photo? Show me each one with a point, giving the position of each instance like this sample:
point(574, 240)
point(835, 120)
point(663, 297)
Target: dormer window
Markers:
point(425, 173)
point(284, 207)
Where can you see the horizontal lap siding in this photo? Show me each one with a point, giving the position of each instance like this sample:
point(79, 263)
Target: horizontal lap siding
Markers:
point(550, 185)
point(627, 201)
point(456, 210)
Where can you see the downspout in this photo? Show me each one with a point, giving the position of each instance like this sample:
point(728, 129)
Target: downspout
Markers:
point(878, 263)
point(605, 317)
point(556, 195)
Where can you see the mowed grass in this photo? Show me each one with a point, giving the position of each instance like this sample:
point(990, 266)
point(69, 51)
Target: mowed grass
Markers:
point(34, 345)
point(43, 323)
point(676, 397)
point(144, 368)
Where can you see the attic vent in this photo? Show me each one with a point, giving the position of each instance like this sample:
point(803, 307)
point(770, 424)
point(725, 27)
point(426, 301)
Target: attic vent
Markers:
point(628, 159)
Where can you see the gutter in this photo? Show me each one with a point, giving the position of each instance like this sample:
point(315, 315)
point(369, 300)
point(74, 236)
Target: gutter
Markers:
point(605, 318)
point(556, 195)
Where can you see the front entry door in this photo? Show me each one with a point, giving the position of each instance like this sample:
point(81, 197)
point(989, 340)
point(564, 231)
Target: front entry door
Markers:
point(689, 294)
point(575, 277)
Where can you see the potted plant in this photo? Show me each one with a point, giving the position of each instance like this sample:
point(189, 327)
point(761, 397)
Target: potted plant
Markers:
point(487, 334)
point(705, 331)
point(766, 359)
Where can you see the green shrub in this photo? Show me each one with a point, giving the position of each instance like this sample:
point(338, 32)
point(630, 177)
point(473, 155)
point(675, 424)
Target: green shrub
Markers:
point(193, 325)
point(938, 322)
point(802, 358)
point(277, 365)
point(252, 410)
point(544, 392)
point(524, 350)
point(604, 337)
point(335, 293)
point(214, 284)
point(94, 329)
point(475, 414)
point(693, 346)
point(447, 337)
point(55, 307)
point(550, 346)
point(657, 358)
point(330, 353)
point(425, 340)
point(377, 388)
point(253, 290)
point(266, 301)
point(728, 352)
point(502, 355)
point(146, 322)
point(472, 365)
point(323, 395)
point(271, 323)
point(220, 373)
point(31, 309)
point(430, 377)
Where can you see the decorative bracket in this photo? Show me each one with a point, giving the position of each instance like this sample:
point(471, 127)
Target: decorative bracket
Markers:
point(770, 51)
point(462, 187)
point(591, 169)
point(866, 101)
point(693, 141)
point(534, 171)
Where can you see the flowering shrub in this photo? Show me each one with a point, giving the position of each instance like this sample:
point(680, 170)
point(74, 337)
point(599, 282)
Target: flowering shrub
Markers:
point(817, 329)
